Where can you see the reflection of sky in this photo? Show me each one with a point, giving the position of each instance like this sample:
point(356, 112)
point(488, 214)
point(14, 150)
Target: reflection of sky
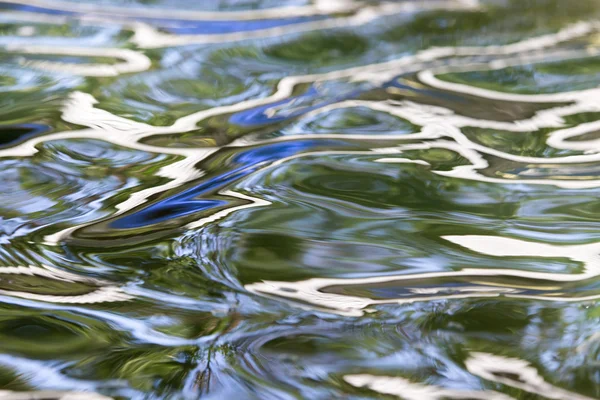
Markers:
point(182, 27)
point(259, 115)
point(220, 27)
point(185, 203)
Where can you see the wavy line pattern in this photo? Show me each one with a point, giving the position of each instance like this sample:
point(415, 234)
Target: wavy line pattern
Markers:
point(299, 199)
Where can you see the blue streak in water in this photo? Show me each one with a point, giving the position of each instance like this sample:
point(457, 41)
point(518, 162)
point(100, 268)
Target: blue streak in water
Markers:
point(28, 8)
point(187, 202)
point(221, 27)
point(181, 27)
point(249, 161)
point(257, 116)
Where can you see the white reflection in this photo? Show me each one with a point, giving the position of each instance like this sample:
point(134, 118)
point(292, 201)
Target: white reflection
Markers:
point(51, 395)
point(147, 36)
point(436, 123)
point(318, 7)
point(518, 374)
point(407, 390)
point(311, 291)
point(46, 375)
point(132, 61)
point(255, 202)
point(102, 293)
point(512, 372)
point(354, 13)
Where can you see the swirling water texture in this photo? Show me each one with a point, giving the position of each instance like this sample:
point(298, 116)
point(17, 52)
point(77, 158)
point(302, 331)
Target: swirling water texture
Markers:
point(327, 199)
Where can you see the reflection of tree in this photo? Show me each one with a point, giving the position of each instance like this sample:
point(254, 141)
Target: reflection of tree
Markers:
point(498, 23)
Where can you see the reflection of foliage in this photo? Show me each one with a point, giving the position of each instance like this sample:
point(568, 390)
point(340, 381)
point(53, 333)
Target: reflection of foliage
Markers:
point(17, 108)
point(478, 317)
point(183, 276)
point(319, 48)
point(146, 368)
point(533, 79)
point(50, 337)
point(531, 144)
point(65, 178)
point(423, 342)
point(340, 215)
point(10, 380)
point(512, 21)
point(160, 97)
point(440, 28)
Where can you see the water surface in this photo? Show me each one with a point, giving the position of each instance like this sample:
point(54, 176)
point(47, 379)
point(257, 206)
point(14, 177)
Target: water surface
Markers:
point(295, 199)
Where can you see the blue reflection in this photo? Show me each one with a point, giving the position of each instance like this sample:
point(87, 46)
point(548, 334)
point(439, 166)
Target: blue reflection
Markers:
point(186, 202)
point(29, 8)
point(164, 211)
point(181, 27)
point(11, 135)
point(220, 27)
point(258, 116)
point(275, 151)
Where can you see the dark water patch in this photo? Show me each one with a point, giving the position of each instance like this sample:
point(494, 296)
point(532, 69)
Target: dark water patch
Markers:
point(11, 135)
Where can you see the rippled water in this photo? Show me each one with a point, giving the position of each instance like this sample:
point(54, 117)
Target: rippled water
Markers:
point(286, 199)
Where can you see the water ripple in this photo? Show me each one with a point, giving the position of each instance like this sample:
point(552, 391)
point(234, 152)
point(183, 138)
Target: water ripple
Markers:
point(323, 199)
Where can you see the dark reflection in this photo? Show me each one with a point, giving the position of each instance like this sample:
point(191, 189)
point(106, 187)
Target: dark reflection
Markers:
point(13, 134)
